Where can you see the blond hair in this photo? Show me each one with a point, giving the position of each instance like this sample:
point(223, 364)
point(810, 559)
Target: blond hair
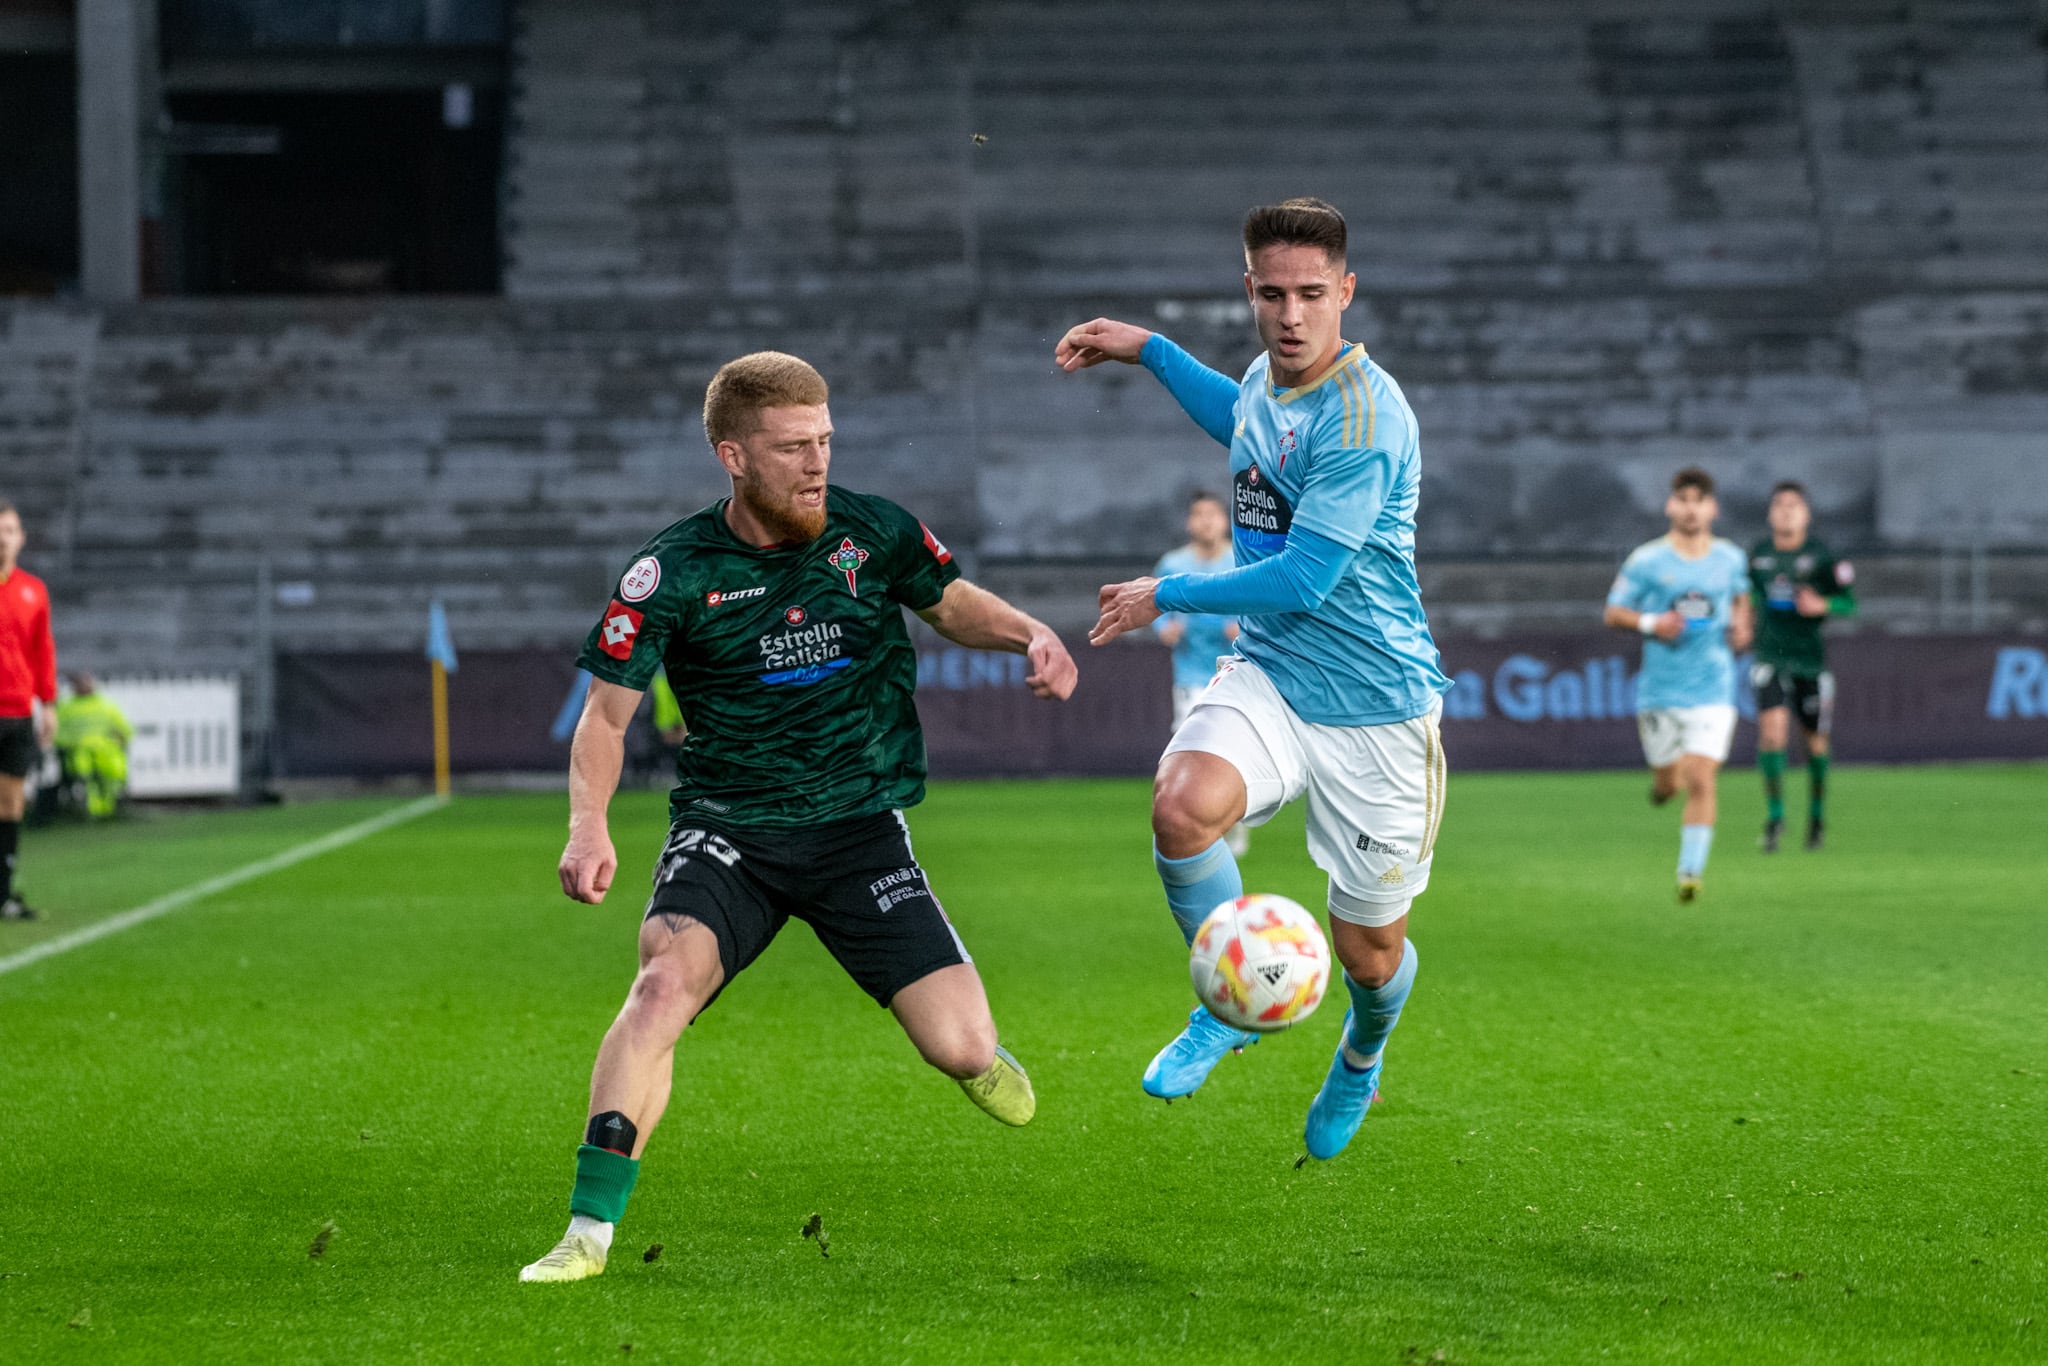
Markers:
point(765, 379)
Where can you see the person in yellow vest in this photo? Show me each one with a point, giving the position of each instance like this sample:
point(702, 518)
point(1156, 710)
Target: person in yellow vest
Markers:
point(92, 738)
point(668, 713)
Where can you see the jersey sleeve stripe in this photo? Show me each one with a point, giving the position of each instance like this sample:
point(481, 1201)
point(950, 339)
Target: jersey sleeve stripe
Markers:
point(1357, 393)
point(1349, 432)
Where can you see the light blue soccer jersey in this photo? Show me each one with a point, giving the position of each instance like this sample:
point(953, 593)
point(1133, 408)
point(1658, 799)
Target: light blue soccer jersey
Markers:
point(1697, 669)
point(1203, 637)
point(1339, 456)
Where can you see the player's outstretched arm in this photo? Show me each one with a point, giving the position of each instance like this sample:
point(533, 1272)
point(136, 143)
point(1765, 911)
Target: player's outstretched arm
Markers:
point(1207, 396)
point(1092, 343)
point(972, 616)
point(1298, 579)
point(595, 757)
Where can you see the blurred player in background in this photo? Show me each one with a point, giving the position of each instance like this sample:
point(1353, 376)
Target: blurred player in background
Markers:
point(1684, 592)
point(1199, 640)
point(777, 615)
point(1336, 692)
point(28, 696)
point(1797, 584)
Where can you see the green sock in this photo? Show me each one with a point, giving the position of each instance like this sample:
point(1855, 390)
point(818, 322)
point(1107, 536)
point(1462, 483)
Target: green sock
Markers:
point(1771, 763)
point(1817, 784)
point(604, 1182)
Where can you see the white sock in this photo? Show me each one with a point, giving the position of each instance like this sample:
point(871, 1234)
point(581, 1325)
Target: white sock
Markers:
point(597, 1230)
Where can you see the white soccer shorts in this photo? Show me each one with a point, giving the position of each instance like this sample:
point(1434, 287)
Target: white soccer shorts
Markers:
point(1669, 732)
point(1375, 793)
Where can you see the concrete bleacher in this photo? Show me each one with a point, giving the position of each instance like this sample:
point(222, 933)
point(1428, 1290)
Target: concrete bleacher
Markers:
point(1595, 241)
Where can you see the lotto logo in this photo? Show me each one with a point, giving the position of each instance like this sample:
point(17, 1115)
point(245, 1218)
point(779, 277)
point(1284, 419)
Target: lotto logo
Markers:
point(621, 628)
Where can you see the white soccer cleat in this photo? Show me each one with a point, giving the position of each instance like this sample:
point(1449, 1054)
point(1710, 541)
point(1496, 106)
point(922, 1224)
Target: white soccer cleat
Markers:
point(577, 1257)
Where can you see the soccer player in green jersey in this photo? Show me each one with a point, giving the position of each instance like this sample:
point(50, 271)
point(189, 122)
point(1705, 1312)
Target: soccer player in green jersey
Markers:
point(778, 616)
point(1797, 584)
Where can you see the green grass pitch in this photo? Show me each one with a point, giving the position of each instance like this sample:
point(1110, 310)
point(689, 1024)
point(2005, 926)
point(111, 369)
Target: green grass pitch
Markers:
point(1803, 1120)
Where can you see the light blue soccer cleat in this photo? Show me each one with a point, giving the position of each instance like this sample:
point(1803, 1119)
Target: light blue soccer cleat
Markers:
point(1340, 1107)
point(1185, 1064)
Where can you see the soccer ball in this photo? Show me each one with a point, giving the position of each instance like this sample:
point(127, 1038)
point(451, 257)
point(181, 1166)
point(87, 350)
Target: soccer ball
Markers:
point(1260, 963)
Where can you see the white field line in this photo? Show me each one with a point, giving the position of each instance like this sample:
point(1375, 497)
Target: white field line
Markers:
point(199, 891)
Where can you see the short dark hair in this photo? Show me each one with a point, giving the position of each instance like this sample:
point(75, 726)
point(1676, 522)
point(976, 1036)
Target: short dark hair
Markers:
point(1205, 496)
point(1295, 223)
point(1790, 486)
point(1693, 477)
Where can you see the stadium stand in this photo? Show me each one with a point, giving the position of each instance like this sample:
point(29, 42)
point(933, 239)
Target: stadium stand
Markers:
point(1595, 242)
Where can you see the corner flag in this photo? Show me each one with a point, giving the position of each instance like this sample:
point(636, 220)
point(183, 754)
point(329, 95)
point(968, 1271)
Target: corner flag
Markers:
point(441, 654)
point(440, 645)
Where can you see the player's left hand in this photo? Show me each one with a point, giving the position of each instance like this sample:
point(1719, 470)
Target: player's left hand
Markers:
point(1810, 602)
point(1053, 673)
point(46, 725)
point(1125, 607)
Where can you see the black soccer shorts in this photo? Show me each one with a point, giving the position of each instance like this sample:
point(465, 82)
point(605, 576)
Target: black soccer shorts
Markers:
point(1812, 699)
point(854, 882)
point(18, 748)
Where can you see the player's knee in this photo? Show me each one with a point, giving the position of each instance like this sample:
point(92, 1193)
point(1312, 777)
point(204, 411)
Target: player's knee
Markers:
point(961, 1050)
point(1184, 822)
point(1370, 967)
point(667, 995)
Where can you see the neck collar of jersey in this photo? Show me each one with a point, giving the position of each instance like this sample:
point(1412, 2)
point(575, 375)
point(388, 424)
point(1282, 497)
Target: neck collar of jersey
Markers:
point(1352, 354)
point(1671, 539)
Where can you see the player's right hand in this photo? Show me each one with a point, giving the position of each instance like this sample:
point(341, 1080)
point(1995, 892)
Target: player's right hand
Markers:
point(587, 867)
point(1092, 343)
point(1670, 626)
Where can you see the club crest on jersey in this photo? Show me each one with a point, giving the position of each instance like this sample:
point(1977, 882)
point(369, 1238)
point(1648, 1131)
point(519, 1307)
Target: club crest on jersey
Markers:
point(796, 616)
point(620, 629)
point(1289, 444)
point(641, 580)
point(847, 560)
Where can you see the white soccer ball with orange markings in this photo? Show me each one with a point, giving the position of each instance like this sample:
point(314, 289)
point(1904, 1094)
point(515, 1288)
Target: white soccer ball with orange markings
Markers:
point(1260, 963)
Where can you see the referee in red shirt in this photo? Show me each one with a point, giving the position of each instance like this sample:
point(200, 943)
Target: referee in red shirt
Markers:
point(28, 694)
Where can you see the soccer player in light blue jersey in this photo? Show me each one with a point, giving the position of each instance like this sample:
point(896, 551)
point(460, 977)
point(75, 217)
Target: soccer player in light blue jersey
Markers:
point(1687, 592)
point(1199, 640)
point(1335, 692)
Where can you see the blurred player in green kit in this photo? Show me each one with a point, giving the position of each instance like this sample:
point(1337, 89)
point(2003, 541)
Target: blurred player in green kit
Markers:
point(1797, 584)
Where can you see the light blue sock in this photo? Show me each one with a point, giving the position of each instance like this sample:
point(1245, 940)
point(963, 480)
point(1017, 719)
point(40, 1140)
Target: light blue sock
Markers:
point(1198, 884)
point(1376, 1010)
point(1694, 842)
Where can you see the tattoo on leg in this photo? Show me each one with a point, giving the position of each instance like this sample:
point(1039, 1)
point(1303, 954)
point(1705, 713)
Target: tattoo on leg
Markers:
point(675, 920)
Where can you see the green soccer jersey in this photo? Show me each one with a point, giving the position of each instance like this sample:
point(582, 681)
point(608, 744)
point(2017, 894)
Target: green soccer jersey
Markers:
point(1786, 640)
point(791, 663)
